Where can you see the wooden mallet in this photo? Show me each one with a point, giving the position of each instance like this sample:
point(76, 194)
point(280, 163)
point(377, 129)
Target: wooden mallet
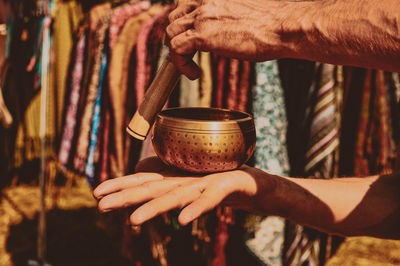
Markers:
point(154, 99)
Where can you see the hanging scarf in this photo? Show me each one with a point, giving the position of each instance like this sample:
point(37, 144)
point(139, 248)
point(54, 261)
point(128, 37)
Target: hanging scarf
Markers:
point(270, 155)
point(205, 79)
point(321, 157)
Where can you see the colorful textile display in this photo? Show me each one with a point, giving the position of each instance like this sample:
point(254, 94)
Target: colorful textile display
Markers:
point(312, 119)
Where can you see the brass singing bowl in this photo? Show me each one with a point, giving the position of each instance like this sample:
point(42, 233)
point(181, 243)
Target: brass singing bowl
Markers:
point(204, 140)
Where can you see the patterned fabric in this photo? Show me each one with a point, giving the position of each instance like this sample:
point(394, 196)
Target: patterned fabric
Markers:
point(244, 86)
point(375, 148)
point(150, 31)
point(270, 155)
point(89, 171)
point(321, 156)
point(270, 120)
point(85, 128)
point(220, 80)
point(120, 16)
point(324, 127)
point(118, 84)
point(386, 153)
point(205, 79)
point(142, 73)
point(68, 16)
point(233, 81)
point(71, 112)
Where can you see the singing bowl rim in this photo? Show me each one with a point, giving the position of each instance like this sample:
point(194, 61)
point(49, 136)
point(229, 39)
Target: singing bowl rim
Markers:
point(169, 118)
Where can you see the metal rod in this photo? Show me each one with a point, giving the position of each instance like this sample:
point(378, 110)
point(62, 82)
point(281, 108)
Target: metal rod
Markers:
point(41, 240)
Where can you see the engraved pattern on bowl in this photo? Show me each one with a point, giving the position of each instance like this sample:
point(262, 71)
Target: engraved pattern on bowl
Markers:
point(204, 140)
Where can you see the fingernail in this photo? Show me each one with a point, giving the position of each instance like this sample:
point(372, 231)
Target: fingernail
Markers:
point(105, 210)
point(97, 197)
point(97, 193)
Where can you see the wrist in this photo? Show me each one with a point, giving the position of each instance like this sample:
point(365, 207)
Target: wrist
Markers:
point(269, 195)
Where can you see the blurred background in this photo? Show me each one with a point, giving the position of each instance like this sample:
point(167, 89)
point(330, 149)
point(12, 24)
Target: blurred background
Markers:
point(73, 73)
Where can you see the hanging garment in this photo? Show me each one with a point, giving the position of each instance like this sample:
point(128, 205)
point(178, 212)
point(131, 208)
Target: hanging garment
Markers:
point(354, 81)
point(89, 170)
point(88, 27)
point(323, 119)
point(206, 85)
point(118, 83)
point(360, 162)
point(119, 17)
point(233, 81)
point(270, 155)
point(375, 147)
point(244, 87)
point(142, 71)
point(68, 16)
point(80, 158)
point(239, 84)
point(221, 63)
point(386, 153)
point(147, 51)
point(104, 161)
point(28, 138)
point(324, 125)
point(71, 108)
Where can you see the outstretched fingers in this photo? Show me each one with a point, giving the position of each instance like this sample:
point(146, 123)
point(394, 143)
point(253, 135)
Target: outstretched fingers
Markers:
point(120, 183)
point(139, 194)
point(175, 199)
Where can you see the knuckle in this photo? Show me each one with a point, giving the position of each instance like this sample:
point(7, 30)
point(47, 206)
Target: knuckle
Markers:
point(197, 39)
point(146, 187)
point(172, 16)
point(173, 44)
point(169, 31)
point(123, 199)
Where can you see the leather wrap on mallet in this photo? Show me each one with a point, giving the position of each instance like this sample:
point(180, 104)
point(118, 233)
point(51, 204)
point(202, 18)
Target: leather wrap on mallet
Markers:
point(154, 99)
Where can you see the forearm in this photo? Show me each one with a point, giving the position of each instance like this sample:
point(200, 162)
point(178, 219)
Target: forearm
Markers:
point(344, 32)
point(347, 206)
